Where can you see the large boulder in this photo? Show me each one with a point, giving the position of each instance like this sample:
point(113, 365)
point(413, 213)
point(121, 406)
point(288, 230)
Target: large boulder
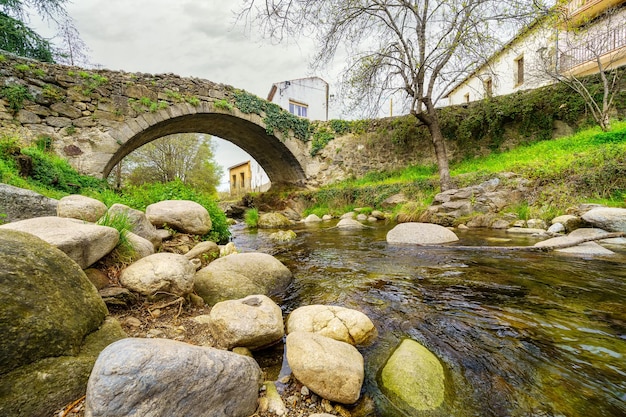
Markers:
point(52, 323)
point(413, 378)
point(81, 207)
point(273, 221)
point(240, 275)
point(611, 219)
point(254, 322)
point(161, 377)
point(84, 243)
point(140, 225)
point(141, 247)
point(339, 323)
point(167, 272)
point(182, 215)
point(20, 204)
point(420, 234)
point(331, 369)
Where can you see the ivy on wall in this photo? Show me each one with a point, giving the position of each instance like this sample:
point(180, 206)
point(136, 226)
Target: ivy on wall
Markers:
point(275, 118)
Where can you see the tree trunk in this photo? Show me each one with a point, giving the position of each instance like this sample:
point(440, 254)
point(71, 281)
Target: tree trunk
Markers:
point(439, 144)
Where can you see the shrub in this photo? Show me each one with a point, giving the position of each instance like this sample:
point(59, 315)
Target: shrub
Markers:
point(16, 94)
point(251, 217)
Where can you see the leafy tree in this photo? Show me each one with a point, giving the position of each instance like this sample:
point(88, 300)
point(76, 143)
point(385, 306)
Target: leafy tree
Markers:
point(17, 37)
point(186, 157)
point(416, 48)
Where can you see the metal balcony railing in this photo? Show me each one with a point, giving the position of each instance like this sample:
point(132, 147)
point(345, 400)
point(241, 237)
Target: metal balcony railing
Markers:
point(590, 49)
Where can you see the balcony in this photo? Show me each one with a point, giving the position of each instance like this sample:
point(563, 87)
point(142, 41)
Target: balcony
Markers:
point(608, 46)
point(581, 11)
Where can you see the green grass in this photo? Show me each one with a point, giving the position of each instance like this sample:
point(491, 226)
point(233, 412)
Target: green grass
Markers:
point(251, 217)
point(586, 167)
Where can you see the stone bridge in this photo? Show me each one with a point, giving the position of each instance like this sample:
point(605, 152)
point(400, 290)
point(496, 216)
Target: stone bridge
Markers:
point(97, 117)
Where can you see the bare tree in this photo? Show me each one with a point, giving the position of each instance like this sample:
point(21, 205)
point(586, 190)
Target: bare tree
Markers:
point(417, 48)
point(597, 46)
point(72, 49)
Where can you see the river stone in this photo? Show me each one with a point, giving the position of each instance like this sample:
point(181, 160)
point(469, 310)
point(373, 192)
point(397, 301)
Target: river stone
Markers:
point(587, 248)
point(331, 369)
point(570, 222)
point(556, 228)
point(20, 204)
point(142, 247)
point(312, 218)
point(350, 224)
point(254, 322)
point(81, 207)
point(273, 221)
point(166, 272)
point(239, 275)
point(140, 225)
point(161, 377)
point(420, 234)
point(84, 243)
point(611, 219)
point(206, 249)
point(413, 377)
point(49, 310)
point(37, 389)
point(182, 215)
point(594, 232)
point(283, 236)
point(339, 323)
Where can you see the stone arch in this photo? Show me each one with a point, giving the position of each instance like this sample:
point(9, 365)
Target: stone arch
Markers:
point(277, 156)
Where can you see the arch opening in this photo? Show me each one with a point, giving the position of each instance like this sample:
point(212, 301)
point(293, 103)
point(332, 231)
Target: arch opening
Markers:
point(278, 162)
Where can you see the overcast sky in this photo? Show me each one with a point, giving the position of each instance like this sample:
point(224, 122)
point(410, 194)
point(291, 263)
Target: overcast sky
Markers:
point(191, 38)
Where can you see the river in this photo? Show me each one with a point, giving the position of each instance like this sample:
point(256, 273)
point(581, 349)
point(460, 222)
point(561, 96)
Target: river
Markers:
point(518, 334)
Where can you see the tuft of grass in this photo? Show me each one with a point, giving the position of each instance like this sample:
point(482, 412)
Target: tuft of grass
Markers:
point(124, 251)
point(251, 217)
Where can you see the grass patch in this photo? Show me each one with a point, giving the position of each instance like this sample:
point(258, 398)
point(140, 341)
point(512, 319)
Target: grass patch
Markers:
point(251, 217)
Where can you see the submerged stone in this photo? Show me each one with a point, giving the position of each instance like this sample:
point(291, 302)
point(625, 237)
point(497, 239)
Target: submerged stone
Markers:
point(413, 377)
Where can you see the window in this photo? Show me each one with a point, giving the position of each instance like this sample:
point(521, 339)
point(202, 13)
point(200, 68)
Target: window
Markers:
point(299, 109)
point(234, 180)
point(488, 83)
point(519, 79)
point(243, 180)
point(466, 98)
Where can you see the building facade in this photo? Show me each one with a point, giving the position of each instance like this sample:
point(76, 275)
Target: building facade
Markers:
point(240, 176)
point(304, 97)
point(569, 42)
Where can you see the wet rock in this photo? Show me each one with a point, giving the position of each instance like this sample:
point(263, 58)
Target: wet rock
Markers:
point(536, 224)
point(331, 369)
point(167, 272)
point(587, 248)
point(239, 275)
point(413, 377)
point(182, 215)
point(595, 232)
point(339, 323)
point(350, 224)
point(283, 236)
point(160, 377)
point(327, 217)
point(611, 219)
point(84, 243)
point(81, 207)
point(253, 322)
point(420, 234)
point(141, 226)
point(348, 215)
point(556, 228)
point(312, 218)
point(49, 321)
point(273, 221)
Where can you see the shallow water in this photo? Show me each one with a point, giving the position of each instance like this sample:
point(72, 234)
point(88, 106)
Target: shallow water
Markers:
point(519, 334)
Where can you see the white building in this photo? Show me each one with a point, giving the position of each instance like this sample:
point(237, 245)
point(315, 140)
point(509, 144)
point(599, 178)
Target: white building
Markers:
point(304, 97)
point(579, 35)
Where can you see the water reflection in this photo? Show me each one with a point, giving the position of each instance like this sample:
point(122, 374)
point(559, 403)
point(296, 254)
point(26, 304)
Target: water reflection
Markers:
point(520, 334)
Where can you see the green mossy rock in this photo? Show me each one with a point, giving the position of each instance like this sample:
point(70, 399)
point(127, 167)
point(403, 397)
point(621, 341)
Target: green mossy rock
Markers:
point(413, 378)
point(48, 304)
point(40, 388)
